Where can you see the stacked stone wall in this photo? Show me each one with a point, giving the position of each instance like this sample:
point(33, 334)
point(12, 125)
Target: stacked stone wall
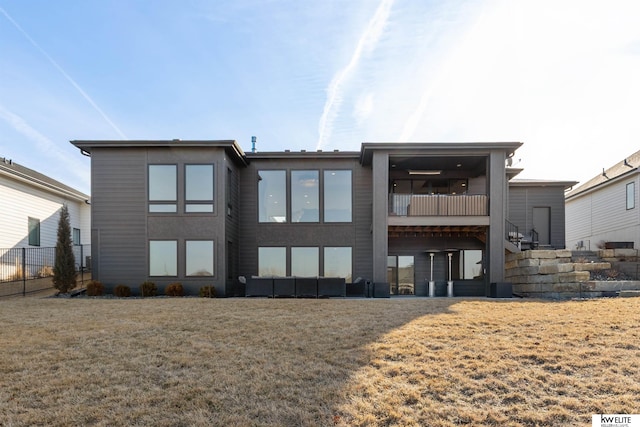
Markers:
point(551, 274)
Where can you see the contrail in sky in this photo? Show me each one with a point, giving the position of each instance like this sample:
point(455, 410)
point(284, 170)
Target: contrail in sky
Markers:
point(66, 76)
point(369, 38)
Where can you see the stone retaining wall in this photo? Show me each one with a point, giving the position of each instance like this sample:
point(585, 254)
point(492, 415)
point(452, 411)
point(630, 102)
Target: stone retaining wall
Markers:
point(551, 274)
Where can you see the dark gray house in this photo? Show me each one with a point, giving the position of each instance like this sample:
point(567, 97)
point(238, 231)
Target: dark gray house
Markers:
point(424, 218)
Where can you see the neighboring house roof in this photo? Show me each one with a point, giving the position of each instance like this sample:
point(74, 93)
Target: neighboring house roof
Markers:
point(623, 167)
point(14, 171)
point(541, 183)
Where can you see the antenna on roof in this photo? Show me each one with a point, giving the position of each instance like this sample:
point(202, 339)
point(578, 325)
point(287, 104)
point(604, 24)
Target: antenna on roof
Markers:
point(626, 163)
point(253, 144)
point(604, 173)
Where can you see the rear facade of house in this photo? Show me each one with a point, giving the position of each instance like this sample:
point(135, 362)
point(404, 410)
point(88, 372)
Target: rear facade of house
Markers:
point(396, 214)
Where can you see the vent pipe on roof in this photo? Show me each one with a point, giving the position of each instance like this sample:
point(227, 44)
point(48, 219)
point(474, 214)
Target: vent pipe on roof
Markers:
point(253, 144)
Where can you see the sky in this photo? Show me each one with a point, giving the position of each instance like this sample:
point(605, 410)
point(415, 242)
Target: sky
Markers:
point(561, 76)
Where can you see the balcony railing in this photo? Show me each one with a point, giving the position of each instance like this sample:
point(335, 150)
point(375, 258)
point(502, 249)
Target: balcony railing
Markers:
point(438, 205)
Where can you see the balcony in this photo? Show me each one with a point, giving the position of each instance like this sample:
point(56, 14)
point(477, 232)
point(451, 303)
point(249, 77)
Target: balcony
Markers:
point(438, 205)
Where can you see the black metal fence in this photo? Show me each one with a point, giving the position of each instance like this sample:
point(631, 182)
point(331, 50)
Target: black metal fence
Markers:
point(28, 270)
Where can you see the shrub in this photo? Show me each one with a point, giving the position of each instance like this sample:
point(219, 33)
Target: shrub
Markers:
point(122, 291)
point(148, 289)
point(207, 292)
point(174, 290)
point(95, 288)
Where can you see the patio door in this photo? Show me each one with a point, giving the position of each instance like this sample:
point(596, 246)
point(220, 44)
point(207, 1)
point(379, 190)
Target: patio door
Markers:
point(401, 274)
point(541, 223)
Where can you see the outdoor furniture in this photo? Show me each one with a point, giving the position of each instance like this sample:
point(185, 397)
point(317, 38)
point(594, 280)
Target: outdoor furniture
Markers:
point(259, 287)
point(331, 287)
point(284, 287)
point(306, 287)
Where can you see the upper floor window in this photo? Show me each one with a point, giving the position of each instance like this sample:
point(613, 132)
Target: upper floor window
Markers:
point(198, 188)
point(34, 232)
point(305, 195)
point(631, 195)
point(163, 188)
point(272, 196)
point(337, 196)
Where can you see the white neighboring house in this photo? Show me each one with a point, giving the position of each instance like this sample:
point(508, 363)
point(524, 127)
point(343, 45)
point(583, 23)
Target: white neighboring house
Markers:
point(30, 210)
point(605, 210)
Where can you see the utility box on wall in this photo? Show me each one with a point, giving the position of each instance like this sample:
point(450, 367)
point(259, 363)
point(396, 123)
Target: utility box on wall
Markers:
point(501, 290)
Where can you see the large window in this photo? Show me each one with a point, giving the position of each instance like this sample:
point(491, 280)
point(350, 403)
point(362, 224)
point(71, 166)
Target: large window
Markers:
point(34, 232)
point(272, 196)
point(272, 262)
point(163, 258)
point(305, 262)
point(471, 264)
point(305, 196)
point(163, 194)
point(337, 196)
point(199, 258)
point(631, 195)
point(198, 188)
point(337, 262)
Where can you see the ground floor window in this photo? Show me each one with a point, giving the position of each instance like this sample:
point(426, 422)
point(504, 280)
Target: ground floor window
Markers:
point(471, 264)
point(272, 261)
point(163, 258)
point(199, 257)
point(401, 274)
point(305, 262)
point(34, 232)
point(337, 262)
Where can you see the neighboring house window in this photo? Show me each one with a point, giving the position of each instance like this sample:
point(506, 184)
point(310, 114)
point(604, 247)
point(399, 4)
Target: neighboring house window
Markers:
point(76, 236)
point(305, 262)
point(198, 188)
point(337, 262)
point(199, 254)
point(337, 196)
point(631, 195)
point(272, 262)
point(163, 258)
point(305, 196)
point(34, 232)
point(163, 186)
point(272, 196)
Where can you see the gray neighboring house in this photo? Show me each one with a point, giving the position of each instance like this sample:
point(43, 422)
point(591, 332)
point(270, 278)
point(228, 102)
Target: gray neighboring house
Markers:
point(604, 210)
point(398, 214)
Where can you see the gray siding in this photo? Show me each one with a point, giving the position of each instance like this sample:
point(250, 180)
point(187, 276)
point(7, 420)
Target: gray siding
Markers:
point(355, 234)
point(522, 200)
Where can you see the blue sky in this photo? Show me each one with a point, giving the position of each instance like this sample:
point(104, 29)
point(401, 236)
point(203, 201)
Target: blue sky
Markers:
point(561, 76)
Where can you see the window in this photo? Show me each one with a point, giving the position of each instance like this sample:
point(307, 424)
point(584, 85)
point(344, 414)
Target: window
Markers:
point(471, 264)
point(163, 188)
point(272, 262)
point(198, 188)
point(337, 196)
point(631, 195)
point(305, 196)
point(272, 196)
point(163, 258)
point(34, 232)
point(199, 254)
point(337, 262)
point(76, 236)
point(304, 262)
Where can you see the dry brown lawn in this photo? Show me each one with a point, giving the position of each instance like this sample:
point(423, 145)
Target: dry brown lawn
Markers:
point(263, 362)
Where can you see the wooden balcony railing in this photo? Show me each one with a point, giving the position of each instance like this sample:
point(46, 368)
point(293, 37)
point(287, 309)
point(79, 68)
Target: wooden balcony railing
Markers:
point(438, 205)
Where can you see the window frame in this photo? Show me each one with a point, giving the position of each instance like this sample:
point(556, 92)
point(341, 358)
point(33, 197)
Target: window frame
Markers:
point(187, 257)
point(294, 195)
point(260, 202)
point(76, 235)
point(161, 204)
point(324, 196)
point(149, 270)
point(33, 231)
point(193, 203)
point(285, 261)
point(631, 195)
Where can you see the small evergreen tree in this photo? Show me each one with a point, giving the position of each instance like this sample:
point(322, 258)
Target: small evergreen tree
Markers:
point(64, 270)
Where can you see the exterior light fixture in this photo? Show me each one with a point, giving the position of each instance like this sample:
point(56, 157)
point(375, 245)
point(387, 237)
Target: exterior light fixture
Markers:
point(424, 172)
